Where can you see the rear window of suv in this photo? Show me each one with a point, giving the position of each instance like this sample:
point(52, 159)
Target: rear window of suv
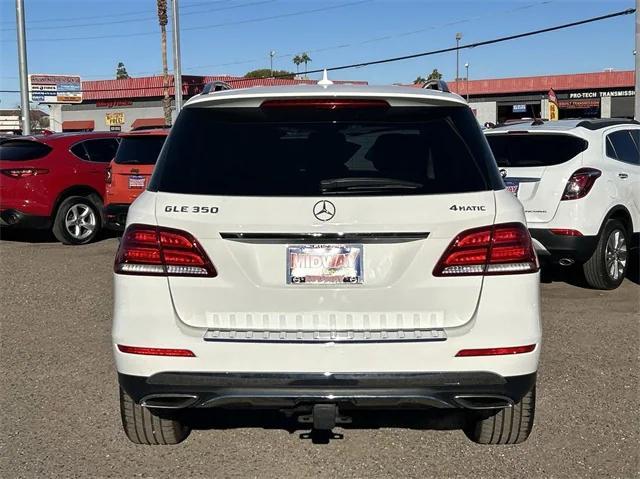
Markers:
point(22, 150)
point(140, 150)
point(534, 149)
point(308, 152)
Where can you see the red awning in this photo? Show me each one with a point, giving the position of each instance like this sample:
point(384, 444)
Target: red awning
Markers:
point(78, 125)
point(147, 122)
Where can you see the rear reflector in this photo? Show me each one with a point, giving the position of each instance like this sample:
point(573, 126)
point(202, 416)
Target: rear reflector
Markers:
point(186, 353)
point(497, 249)
point(153, 250)
point(496, 351)
point(565, 232)
point(325, 103)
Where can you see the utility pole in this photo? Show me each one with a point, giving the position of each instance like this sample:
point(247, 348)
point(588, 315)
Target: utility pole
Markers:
point(458, 38)
point(466, 65)
point(177, 68)
point(637, 99)
point(22, 67)
point(272, 54)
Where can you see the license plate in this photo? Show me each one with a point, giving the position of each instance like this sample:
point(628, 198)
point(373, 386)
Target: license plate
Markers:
point(324, 264)
point(512, 186)
point(136, 181)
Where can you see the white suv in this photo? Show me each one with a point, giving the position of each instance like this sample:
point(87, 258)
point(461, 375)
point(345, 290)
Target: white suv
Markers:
point(321, 248)
point(579, 182)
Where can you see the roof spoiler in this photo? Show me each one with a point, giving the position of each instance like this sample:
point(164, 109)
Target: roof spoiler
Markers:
point(439, 85)
point(215, 86)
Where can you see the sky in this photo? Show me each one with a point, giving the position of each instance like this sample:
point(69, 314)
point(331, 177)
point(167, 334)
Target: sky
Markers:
point(89, 37)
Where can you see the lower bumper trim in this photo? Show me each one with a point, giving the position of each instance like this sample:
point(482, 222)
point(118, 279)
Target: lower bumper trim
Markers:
point(471, 390)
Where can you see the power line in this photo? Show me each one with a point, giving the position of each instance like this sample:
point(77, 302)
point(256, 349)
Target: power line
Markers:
point(563, 26)
point(349, 45)
point(114, 15)
point(362, 42)
point(203, 27)
point(147, 18)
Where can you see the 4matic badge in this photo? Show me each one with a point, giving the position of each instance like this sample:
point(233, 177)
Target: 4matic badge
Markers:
point(468, 208)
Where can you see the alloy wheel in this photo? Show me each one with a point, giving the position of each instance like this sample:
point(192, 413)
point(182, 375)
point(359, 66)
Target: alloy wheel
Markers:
point(616, 254)
point(80, 221)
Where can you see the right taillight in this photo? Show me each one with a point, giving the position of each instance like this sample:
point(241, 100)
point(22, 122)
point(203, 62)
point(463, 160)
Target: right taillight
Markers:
point(498, 249)
point(159, 251)
point(580, 183)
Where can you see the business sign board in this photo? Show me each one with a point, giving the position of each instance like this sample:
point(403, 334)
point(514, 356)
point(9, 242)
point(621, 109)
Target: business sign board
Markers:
point(55, 89)
point(115, 118)
point(519, 108)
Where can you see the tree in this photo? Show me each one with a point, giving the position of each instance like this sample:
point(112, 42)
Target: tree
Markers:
point(121, 72)
point(434, 75)
point(298, 61)
point(419, 80)
point(304, 56)
point(266, 73)
point(162, 21)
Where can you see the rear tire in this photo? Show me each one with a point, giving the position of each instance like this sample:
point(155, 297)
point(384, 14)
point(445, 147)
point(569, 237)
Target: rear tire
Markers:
point(607, 267)
point(509, 426)
point(78, 220)
point(144, 426)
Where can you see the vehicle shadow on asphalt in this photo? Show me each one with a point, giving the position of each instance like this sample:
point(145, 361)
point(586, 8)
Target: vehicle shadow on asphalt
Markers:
point(44, 236)
point(573, 274)
point(421, 419)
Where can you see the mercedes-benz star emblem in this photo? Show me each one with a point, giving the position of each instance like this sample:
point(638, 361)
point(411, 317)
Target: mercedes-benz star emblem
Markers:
point(503, 172)
point(324, 210)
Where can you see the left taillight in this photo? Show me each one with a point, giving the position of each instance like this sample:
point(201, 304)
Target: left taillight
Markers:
point(24, 172)
point(490, 250)
point(158, 251)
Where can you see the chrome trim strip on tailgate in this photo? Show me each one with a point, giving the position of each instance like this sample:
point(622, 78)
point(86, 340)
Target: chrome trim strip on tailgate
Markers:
point(324, 335)
point(288, 238)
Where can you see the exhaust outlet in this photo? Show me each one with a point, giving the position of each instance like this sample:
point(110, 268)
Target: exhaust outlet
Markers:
point(566, 262)
point(168, 401)
point(484, 401)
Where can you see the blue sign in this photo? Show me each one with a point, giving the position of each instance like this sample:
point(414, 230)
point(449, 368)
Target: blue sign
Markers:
point(519, 108)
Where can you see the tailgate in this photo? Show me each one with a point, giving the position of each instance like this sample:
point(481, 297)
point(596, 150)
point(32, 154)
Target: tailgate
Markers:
point(248, 240)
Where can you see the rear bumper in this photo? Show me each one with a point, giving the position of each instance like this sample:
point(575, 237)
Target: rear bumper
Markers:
point(556, 247)
point(471, 390)
point(115, 215)
point(13, 218)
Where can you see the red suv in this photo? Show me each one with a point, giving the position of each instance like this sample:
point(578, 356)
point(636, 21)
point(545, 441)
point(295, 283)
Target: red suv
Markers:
point(56, 181)
point(129, 172)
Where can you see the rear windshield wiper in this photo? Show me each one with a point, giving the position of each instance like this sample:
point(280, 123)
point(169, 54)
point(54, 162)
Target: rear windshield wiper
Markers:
point(366, 183)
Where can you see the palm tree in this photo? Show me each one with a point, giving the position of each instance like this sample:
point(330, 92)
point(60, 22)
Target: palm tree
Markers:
point(298, 60)
point(162, 21)
point(305, 59)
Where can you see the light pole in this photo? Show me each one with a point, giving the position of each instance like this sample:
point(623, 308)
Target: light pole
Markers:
point(458, 38)
point(177, 68)
point(272, 54)
point(22, 67)
point(466, 66)
point(637, 53)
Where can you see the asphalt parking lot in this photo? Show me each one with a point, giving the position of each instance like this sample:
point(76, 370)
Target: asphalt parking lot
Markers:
point(60, 413)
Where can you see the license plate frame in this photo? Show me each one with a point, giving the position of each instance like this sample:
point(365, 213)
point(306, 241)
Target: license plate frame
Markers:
point(513, 186)
point(137, 182)
point(325, 264)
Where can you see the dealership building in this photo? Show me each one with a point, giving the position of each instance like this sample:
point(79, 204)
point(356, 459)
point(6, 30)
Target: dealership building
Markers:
point(605, 94)
point(120, 105)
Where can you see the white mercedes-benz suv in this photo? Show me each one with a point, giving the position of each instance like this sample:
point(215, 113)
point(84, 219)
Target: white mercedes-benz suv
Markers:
point(579, 182)
point(318, 249)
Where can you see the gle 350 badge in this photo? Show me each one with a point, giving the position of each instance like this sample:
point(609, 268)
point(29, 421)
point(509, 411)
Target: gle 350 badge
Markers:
point(190, 209)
